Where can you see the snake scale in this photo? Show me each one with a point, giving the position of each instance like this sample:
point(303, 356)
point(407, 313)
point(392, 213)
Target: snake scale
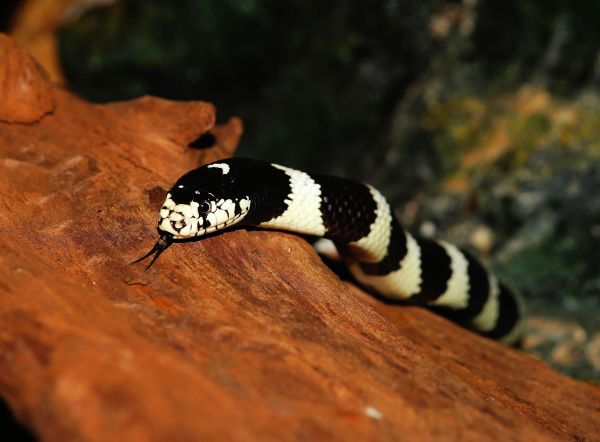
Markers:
point(379, 253)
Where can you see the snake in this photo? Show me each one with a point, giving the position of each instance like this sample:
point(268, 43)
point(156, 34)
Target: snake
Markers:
point(380, 254)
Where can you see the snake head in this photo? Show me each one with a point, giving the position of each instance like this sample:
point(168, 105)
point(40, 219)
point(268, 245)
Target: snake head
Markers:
point(203, 201)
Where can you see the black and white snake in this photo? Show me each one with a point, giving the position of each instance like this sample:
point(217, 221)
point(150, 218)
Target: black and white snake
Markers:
point(379, 253)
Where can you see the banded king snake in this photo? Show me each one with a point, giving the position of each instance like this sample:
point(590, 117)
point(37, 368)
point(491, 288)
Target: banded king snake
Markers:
point(379, 253)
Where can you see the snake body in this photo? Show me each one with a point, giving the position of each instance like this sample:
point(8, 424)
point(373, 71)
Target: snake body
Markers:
point(379, 253)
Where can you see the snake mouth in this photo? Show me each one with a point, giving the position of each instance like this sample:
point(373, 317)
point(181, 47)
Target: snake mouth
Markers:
point(184, 221)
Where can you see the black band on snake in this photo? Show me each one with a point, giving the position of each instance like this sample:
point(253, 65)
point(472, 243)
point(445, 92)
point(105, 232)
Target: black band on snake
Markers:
point(379, 253)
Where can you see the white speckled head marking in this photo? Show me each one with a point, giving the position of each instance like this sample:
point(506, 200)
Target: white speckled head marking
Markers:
point(202, 216)
point(224, 167)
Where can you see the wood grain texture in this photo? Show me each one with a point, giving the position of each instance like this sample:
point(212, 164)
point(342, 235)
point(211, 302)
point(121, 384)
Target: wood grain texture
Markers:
point(243, 336)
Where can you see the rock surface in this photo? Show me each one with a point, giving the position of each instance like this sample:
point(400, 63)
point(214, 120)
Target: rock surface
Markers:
point(242, 336)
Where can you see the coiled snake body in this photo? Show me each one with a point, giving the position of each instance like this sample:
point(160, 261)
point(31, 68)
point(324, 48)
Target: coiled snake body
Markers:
point(379, 253)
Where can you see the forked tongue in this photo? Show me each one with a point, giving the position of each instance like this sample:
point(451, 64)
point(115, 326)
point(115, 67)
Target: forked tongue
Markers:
point(161, 245)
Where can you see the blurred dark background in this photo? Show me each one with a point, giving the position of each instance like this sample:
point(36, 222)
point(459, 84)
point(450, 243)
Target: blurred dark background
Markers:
point(479, 119)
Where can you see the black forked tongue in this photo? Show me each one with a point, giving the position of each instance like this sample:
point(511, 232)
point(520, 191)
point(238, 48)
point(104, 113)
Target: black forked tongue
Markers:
point(161, 245)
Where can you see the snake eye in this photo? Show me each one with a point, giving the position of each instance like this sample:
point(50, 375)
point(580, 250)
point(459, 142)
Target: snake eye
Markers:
point(204, 207)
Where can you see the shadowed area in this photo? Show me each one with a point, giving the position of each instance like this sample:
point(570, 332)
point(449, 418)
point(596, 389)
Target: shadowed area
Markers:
point(13, 430)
